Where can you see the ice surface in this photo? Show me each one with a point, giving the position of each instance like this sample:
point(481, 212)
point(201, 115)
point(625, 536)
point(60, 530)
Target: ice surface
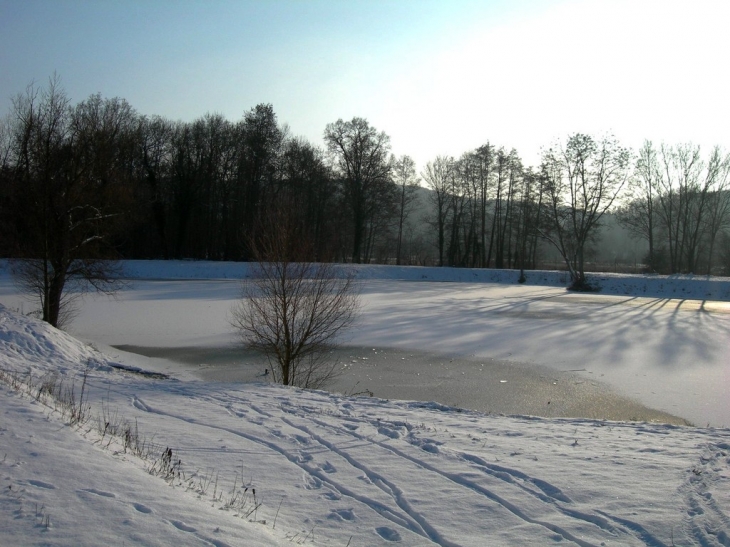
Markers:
point(666, 353)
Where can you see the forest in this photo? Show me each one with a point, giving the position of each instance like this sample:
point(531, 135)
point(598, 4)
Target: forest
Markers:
point(97, 180)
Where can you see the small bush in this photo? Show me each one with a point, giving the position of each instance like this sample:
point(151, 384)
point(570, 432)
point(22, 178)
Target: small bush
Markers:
point(583, 286)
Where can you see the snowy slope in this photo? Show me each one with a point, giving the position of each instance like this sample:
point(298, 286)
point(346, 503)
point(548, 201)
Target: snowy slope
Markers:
point(330, 470)
point(337, 471)
point(60, 487)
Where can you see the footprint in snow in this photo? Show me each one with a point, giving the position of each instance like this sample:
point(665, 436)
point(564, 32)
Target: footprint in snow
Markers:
point(388, 534)
point(329, 468)
point(341, 514)
point(98, 492)
point(146, 510)
point(550, 490)
point(41, 484)
point(312, 483)
point(182, 526)
point(236, 413)
point(304, 458)
point(429, 447)
point(392, 433)
point(139, 405)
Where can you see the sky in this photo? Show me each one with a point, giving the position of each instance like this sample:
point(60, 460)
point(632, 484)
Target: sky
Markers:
point(440, 78)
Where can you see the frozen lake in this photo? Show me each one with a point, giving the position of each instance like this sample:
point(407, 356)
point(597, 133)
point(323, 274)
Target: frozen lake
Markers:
point(484, 384)
point(493, 347)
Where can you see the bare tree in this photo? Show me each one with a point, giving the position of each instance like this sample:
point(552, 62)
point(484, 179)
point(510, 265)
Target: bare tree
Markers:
point(469, 181)
point(292, 310)
point(686, 190)
point(404, 176)
point(583, 179)
point(679, 196)
point(718, 212)
point(508, 167)
point(528, 219)
point(7, 231)
point(306, 179)
point(679, 203)
point(457, 201)
point(68, 170)
point(155, 136)
point(437, 175)
point(484, 156)
point(639, 214)
point(361, 157)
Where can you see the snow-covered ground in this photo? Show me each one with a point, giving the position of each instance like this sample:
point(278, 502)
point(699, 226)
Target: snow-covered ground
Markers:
point(662, 341)
point(333, 470)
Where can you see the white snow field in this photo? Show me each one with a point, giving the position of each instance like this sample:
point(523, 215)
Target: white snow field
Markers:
point(334, 470)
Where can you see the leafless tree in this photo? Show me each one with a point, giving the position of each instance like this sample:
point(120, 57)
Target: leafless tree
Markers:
point(293, 310)
point(404, 176)
point(68, 172)
point(7, 231)
point(679, 203)
point(639, 214)
point(687, 187)
point(528, 219)
point(508, 167)
point(718, 212)
point(437, 175)
point(582, 179)
point(361, 158)
point(484, 156)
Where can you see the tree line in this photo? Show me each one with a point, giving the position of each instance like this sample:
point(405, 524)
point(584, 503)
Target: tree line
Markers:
point(197, 189)
point(83, 183)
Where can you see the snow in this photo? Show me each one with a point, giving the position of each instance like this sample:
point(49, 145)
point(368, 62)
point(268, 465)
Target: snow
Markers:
point(685, 286)
point(336, 470)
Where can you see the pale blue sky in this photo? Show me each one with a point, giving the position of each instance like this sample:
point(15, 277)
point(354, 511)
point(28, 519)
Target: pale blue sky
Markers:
point(440, 77)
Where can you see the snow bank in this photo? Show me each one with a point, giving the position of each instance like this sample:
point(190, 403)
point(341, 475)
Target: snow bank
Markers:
point(654, 286)
point(332, 470)
point(35, 345)
point(695, 287)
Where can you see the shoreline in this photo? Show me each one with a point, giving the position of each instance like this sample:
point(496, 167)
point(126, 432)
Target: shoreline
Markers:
point(485, 385)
